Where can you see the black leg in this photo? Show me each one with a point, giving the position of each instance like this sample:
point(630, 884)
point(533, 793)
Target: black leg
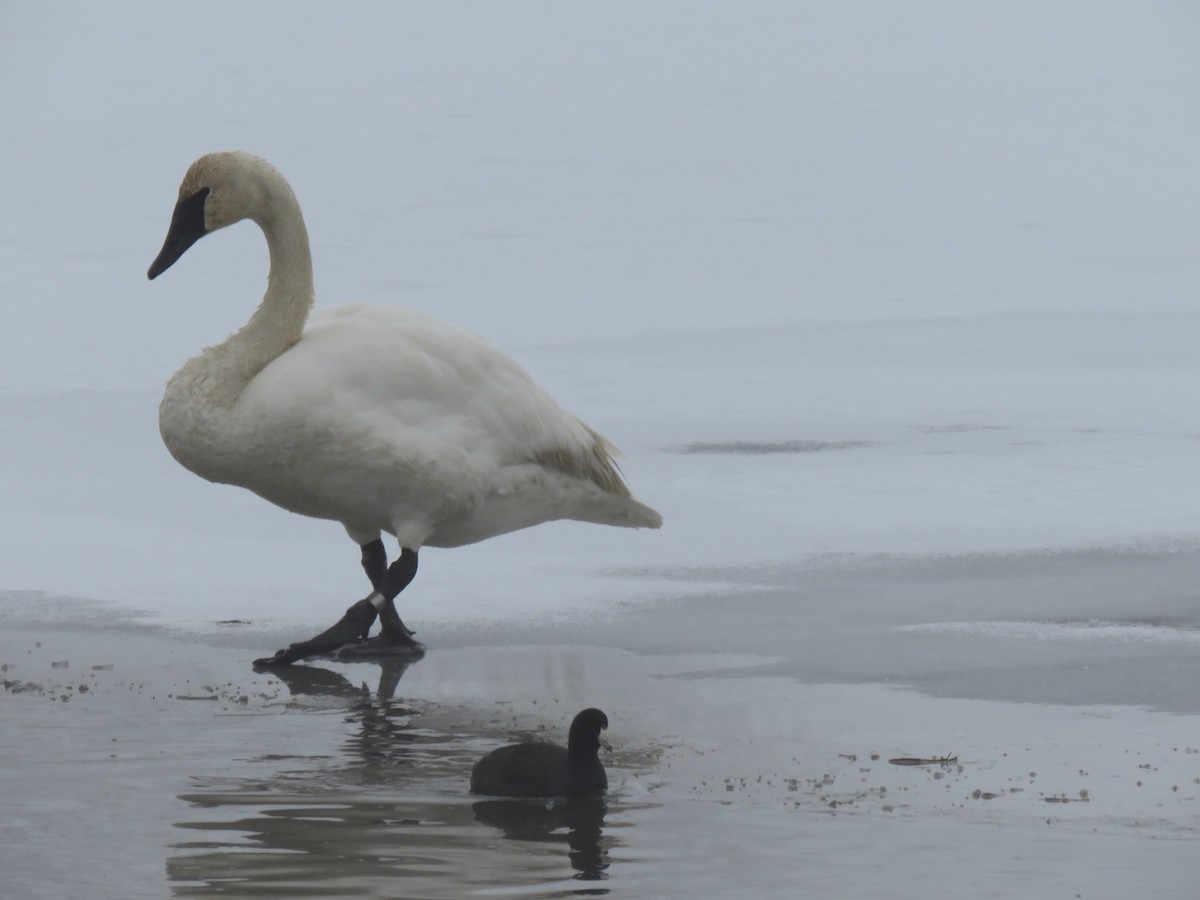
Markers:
point(375, 563)
point(399, 575)
point(351, 631)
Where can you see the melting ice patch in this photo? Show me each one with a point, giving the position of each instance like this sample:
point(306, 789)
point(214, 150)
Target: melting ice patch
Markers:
point(1089, 630)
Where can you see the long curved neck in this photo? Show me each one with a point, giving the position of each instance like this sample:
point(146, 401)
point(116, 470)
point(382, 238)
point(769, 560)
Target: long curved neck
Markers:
point(279, 320)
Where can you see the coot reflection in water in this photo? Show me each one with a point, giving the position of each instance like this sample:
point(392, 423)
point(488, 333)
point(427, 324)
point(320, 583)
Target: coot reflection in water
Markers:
point(578, 822)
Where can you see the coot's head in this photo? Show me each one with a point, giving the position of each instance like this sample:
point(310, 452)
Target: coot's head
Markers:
point(585, 738)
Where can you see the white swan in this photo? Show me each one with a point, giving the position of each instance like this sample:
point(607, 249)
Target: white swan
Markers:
point(382, 419)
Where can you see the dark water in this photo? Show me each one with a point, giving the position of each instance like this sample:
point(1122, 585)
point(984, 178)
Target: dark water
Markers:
point(387, 815)
point(759, 448)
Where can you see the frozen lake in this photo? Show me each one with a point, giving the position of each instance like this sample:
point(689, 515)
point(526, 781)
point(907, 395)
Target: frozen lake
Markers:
point(891, 308)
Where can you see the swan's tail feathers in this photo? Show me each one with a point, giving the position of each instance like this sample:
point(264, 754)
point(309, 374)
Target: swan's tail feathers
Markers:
point(595, 461)
point(623, 512)
point(609, 477)
point(604, 469)
point(605, 473)
point(643, 516)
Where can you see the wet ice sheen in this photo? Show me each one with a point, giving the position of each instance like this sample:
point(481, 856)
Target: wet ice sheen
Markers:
point(350, 778)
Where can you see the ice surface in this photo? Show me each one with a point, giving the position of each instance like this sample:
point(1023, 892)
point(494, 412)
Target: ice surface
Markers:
point(946, 246)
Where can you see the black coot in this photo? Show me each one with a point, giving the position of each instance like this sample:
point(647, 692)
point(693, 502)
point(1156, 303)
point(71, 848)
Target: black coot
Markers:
point(539, 769)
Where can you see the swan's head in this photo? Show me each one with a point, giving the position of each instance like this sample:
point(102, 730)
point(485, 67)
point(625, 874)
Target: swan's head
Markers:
point(218, 190)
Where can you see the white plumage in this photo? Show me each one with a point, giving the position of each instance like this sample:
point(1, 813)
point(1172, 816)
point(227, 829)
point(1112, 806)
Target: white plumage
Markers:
point(383, 419)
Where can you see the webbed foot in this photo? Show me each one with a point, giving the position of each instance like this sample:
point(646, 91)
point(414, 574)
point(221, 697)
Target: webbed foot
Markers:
point(352, 629)
point(383, 647)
